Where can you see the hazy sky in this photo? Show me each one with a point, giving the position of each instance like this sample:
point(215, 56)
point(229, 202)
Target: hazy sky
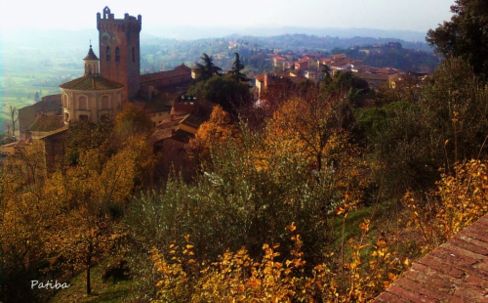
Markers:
point(418, 15)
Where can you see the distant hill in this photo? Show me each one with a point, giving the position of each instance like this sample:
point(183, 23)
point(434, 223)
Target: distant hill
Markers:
point(393, 55)
point(164, 53)
point(325, 43)
point(39, 60)
point(192, 33)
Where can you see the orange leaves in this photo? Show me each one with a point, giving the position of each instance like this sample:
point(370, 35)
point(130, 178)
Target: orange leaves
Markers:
point(218, 130)
point(292, 227)
point(364, 226)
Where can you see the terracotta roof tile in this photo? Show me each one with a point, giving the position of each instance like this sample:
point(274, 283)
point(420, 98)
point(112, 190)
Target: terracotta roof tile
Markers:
point(456, 271)
point(49, 105)
point(47, 123)
point(91, 82)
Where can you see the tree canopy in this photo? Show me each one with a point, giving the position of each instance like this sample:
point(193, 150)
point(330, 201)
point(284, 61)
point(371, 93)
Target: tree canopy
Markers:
point(236, 71)
point(465, 35)
point(206, 69)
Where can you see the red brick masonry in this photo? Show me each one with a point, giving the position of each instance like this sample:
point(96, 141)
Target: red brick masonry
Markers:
point(456, 271)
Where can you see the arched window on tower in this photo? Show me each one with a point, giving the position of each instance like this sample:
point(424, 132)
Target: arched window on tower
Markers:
point(117, 54)
point(107, 54)
point(133, 54)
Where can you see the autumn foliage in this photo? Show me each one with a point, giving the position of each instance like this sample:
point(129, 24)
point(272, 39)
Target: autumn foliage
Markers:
point(237, 277)
point(324, 200)
point(459, 200)
point(212, 133)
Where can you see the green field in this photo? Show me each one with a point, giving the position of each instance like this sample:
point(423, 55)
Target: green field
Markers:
point(25, 72)
point(19, 91)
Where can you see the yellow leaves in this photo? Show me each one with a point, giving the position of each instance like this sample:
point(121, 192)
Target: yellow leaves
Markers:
point(354, 264)
point(217, 130)
point(340, 210)
point(236, 277)
point(460, 198)
point(364, 226)
point(292, 227)
point(407, 262)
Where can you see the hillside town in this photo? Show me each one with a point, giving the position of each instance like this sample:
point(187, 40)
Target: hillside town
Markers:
point(105, 87)
point(252, 174)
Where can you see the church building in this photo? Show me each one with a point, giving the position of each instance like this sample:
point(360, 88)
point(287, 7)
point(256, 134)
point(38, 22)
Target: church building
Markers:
point(91, 97)
point(109, 80)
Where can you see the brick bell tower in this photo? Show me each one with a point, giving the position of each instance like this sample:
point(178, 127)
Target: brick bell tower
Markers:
point(119, 50)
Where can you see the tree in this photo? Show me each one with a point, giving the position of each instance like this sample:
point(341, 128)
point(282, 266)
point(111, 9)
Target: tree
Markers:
point(223, 90)
point(24, 214)
point(343, 83)
point(83, 136)
point(465, 35)
point(217, 130)
point(206, 69)
point(447, 123)
point(37, 96)
point(307, 126)
point(236, 71)
point(325, 73)
point(14, 117)
point(453, 107)
point(131, 121)
point(90, 196)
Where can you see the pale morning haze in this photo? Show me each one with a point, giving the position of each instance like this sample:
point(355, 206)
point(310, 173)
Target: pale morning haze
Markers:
point(413, 15)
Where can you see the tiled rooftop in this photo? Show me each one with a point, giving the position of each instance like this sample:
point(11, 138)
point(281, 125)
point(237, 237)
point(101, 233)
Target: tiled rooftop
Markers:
point(91, 82)
point(456, 271)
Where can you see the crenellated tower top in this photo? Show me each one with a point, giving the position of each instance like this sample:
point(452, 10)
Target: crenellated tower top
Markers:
point(120, 49)
point(106, 20)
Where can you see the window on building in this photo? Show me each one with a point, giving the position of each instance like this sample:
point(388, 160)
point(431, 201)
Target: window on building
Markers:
point(107, 54)
point(82, 103)
point(65, 101)
point(105, 102)
point(117, 54)
point(133, 54)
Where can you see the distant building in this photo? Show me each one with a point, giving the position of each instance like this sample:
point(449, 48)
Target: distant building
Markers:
point(172, 136)
point(179, 76)
point(91, 97)
point(379, 77)
point(120, 50)
point(109, 80)
point(280, 63)
point(305, 63)
point(312, 75)
point(275, 86)
point(48, 106)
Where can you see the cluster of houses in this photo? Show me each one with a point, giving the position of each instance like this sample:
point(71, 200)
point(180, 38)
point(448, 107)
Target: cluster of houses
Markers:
point(113, 79)
point(311, 67)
